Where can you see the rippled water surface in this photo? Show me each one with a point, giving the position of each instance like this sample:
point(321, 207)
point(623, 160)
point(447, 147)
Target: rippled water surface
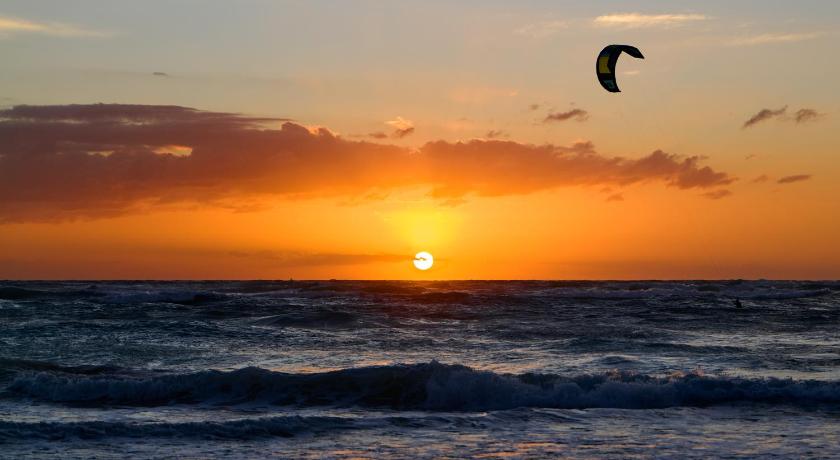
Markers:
point(413, 370)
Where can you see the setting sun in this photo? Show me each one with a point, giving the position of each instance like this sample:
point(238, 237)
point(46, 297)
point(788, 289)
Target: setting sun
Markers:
point(423, 260)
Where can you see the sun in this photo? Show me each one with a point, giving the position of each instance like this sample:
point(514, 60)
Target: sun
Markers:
point(423, 260)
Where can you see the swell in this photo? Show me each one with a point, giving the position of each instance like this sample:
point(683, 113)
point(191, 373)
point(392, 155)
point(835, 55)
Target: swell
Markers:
point(263, 427)
point(237, 429)
point(8, 365)
point(429, 386)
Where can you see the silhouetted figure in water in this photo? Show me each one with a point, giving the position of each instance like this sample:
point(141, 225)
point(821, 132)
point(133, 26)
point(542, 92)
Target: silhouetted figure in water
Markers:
point(738, 303)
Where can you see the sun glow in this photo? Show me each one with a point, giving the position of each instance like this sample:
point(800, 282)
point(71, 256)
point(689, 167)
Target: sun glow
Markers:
point(423, 260)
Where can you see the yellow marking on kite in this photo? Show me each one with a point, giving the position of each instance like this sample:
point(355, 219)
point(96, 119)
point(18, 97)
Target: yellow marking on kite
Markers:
point(603, 64)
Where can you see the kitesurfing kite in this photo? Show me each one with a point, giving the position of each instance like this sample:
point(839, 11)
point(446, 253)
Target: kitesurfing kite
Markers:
point(605, 65)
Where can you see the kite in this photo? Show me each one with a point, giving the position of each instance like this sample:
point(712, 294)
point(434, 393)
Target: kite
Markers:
point(605, 65)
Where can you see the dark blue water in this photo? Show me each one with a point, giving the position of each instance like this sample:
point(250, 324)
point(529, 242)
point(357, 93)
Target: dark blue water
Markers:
point(416, 370)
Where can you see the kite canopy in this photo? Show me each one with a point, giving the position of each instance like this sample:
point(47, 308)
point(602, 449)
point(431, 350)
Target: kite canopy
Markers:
point(605, 65)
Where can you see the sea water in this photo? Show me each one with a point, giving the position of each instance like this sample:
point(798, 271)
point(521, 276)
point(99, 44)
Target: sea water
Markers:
point(347, 369)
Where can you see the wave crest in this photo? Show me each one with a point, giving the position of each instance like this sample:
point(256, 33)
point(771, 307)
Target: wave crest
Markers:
point(430, 386)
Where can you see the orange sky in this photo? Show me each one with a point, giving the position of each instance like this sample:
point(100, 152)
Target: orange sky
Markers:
point(498, 152)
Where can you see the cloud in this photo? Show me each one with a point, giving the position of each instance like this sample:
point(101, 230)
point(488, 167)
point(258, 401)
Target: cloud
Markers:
point(806, 115)
point(402, 127)
point(764, 39)
point(637, 20)
point(717, 194)
point(378, 135)
point(495, 133)
point(10, 26)
point(615, 197)
point(160, 74)
point(577, 114)
point(763, 115)
point(86, 161)
point(533, 107)
point(794, 178)
point(760, 179)
point(302, 259)
point(542, 29)
point(481, 94)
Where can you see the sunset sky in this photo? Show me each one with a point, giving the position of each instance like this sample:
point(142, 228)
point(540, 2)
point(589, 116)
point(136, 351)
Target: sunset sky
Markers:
point(274, 139)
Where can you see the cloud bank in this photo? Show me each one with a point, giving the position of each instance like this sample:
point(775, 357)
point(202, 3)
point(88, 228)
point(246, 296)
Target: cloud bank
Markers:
point(82, 161)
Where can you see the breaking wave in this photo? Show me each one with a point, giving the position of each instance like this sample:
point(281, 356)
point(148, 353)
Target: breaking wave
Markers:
point(429, 386)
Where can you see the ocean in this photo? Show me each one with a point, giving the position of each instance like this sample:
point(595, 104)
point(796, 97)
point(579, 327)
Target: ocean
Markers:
point(389, 369)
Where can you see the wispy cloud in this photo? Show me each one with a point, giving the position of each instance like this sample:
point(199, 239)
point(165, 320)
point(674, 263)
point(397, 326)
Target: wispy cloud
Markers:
point(717, 194)
point(298, 259)
point(402, 127)
point(576, 114)
point(794, 178)
point(481, 94)
point(763, 115)
point(763, 39)
point(637, 20)
point(495, 134)
point(542, 29)
point(10, 26)
point(804, 115)
point(807, 115)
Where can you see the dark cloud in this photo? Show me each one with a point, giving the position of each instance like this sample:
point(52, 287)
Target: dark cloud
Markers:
point(378, 135)
point(763, 115)
point(794, 178)
point(615, 197)
point(761, 178)
point(160, 74)
point(495, 133)
point(67, 162)
point(533, 107)
point(576, 114)
point(806, 115)
point(717, 194)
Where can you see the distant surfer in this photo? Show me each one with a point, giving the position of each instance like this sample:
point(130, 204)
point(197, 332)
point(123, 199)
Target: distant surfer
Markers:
point(738, 303)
